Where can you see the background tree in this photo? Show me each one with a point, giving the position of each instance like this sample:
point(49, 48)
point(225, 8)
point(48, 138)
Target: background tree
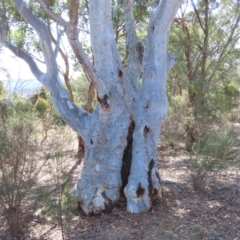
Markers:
point(122, 132)
point(3, 91)
point(206, 43)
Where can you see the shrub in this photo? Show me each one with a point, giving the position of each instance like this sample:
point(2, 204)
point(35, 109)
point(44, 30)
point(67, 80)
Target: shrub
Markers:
point(55, 199)
point(175, 125)
point(42, 93)
point(41, 106)
point(211, 154)
point(18, 165)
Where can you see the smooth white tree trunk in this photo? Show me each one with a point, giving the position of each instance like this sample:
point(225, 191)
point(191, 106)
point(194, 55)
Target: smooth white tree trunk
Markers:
point(122, 132)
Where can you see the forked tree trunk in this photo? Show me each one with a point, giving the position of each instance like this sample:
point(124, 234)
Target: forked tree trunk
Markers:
point(100, 180)
point(122, 132)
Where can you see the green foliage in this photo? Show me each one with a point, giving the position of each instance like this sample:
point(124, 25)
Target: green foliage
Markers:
point(230, 90)
point(216, 145)
point(3, 91)
point(207, 67)
point(18, 35)
point(8, 12)
point(175, 125)
point(41, 106)
point(21, 132)
point(42, 103)
point(80, 88)
point(211, 154)
point(42, 93)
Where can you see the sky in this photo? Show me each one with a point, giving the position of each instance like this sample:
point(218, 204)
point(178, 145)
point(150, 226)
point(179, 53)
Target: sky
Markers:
point(16, 67)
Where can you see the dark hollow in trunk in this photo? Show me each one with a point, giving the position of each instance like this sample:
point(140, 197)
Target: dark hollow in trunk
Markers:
point(127, 158)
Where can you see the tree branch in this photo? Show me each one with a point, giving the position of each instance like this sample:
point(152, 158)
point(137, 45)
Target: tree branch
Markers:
point(72, 34)
point(19, 52)
point(83, 59)
point(76, 117)
point(26, 57)
point(155, 55)
point(51, 14)
point(106, 58)
point(65, 73)
point(41, 30)
point(224, 49)
point(73, 6)
point(134, 48)
point(198, 17)
point(57, 42)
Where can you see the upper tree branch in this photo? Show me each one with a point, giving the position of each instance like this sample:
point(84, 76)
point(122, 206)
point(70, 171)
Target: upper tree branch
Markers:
point(106, 58)
point(73, 6)
point(4, 31)
point(41, 30)
point(72, 30)
point(65, 73)
point(198, 17)
point(155, 55)
point(72, 34)
point(83, 59)
point(134, 48)
point(24, 56)
point(51, 14)
point(232, 30)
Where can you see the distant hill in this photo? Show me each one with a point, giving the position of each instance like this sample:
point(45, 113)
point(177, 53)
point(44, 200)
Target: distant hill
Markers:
point(22, 87)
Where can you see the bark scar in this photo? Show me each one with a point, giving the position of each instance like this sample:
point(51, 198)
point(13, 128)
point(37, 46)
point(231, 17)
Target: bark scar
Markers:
point(146, 131)
point(147, 104)
point(120, 74)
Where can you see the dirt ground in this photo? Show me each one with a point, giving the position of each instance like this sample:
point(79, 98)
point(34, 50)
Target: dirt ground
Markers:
point(210, 213)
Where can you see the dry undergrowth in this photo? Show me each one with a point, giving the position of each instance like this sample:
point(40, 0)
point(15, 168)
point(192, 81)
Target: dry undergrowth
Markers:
point(211, 213)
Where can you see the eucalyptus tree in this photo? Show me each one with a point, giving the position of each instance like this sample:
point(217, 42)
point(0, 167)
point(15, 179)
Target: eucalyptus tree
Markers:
point(205, 39)
point(122, 132)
